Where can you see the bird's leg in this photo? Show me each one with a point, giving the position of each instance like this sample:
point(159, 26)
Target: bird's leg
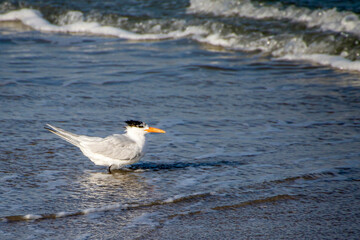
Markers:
point(109, 169)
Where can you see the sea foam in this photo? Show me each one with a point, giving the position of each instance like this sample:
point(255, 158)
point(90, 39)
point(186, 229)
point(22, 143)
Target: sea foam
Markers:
point(281, 46)
point(323, 59)
point(293, 49)
point(34, 19)
point(329, 19)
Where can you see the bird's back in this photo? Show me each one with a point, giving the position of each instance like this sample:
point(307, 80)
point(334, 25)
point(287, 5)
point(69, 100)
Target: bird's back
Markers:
point(115, 149)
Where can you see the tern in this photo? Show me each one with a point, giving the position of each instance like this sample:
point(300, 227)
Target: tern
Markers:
point(114, 151)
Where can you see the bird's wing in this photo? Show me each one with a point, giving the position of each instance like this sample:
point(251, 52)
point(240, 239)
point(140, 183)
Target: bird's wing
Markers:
point(115, 146)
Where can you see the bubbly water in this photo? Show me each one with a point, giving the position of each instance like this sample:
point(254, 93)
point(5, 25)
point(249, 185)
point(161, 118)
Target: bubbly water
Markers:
point(260, 102)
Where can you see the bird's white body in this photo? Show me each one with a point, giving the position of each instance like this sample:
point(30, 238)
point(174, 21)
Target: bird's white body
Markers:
point(113, 151)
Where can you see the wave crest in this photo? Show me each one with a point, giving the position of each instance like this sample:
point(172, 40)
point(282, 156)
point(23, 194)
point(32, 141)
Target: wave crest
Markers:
point(279, 39)
point(330, 19)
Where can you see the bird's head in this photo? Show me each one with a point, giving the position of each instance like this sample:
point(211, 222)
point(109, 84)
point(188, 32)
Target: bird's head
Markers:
point(141, 127)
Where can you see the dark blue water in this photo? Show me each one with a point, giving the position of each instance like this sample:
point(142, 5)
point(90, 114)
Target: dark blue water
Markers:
point(261, 114)
point(347, 5)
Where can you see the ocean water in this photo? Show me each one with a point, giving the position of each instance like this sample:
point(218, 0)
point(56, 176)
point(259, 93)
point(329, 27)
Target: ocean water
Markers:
point(260, 101)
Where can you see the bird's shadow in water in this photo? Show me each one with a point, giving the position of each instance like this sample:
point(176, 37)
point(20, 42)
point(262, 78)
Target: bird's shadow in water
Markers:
point(152, 166)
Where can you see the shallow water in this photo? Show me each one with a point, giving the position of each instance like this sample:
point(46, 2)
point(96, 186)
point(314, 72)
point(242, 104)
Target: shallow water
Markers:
point(256, 146)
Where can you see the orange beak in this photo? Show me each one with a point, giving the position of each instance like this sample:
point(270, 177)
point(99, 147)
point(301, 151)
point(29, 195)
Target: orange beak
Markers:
point(155, 130)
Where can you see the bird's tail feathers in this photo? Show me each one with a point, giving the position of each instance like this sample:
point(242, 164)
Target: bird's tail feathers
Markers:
point(67, 136)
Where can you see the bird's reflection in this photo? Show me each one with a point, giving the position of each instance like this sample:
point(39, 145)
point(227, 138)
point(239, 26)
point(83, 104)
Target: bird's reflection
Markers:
point(122, 186)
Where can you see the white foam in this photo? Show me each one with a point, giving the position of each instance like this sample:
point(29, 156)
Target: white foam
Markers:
point(330, 19)
point(32, 217)
point(338, 62)
point(283, 48)
point(103, 209)
point(178, 197)
point(70, 17)
point(62, 214)
point(34, 19)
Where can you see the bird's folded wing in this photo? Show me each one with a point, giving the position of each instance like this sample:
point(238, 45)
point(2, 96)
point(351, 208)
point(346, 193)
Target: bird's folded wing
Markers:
point(115, 146)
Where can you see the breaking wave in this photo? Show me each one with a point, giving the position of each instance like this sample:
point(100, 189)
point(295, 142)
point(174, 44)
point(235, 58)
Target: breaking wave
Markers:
point(323, 36)
point(326, 19)
point(34, 19)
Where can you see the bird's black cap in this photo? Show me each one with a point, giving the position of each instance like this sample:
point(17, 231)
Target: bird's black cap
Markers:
point(133, 123)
